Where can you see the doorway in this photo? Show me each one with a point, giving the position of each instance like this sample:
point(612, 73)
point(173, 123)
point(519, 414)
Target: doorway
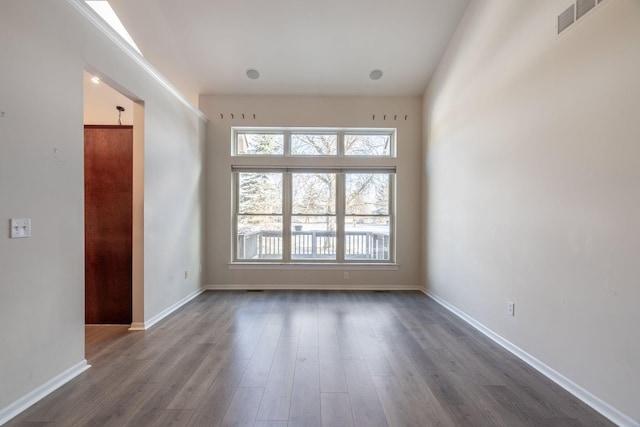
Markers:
point(113, 230)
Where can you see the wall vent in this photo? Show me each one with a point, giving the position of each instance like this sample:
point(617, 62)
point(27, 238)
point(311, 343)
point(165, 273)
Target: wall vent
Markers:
point(575, 12)
point(584, 6)
point(566, 18)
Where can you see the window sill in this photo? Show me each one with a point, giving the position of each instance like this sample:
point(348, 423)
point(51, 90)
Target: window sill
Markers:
point(310, 266)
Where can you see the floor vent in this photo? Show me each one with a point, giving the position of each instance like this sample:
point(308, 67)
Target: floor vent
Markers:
point(566, 18)
point(255, 290)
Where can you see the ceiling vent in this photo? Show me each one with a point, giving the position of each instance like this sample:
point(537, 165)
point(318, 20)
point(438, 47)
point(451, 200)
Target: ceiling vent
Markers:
point(584, 6)
point(566, 18)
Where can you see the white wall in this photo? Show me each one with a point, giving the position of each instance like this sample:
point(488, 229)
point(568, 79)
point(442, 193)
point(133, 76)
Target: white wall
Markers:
point(533, 177)
point(276, 111)
point(46, 46)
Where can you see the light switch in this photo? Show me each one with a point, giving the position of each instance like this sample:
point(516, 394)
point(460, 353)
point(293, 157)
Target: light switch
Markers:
point(20, 228)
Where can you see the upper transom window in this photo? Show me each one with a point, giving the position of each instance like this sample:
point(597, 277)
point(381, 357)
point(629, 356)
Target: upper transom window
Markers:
point(314, 142)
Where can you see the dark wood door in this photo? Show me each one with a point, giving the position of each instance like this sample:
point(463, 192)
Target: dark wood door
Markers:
point(108, 201)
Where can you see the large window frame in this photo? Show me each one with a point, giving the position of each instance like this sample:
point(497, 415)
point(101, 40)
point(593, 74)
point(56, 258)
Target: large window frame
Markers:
point(287, 133)
point(380, 246)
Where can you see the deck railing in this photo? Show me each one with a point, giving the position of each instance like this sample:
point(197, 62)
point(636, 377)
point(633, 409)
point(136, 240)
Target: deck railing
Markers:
point(313, 245)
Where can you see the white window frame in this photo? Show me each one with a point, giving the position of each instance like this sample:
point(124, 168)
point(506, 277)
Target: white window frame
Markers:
point(340, 164)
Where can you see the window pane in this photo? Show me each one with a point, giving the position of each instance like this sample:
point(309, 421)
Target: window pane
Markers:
point(314, 145)
point(367, 193)
point(267, 144)
point(313, 237)
point(367, 145)
point(259, 237)
point(260, 193)
point(367, 238)
point(314, 193)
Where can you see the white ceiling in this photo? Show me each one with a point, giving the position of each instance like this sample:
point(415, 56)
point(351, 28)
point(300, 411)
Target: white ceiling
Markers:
point(100, 102)
point(300, 47)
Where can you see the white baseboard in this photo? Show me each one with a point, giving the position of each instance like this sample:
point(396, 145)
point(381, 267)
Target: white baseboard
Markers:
point(281, 287)
point(143, 326)
point(137, 326)
point(41, 392)
point(597, 404)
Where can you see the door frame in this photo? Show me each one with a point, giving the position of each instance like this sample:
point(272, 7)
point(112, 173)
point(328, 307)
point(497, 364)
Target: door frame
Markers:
point(137, 232)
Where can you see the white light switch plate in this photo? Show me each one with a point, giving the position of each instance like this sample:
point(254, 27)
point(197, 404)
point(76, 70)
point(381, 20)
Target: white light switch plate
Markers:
point(20, 228)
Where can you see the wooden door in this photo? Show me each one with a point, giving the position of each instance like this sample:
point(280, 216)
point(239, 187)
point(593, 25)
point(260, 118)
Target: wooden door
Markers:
point(108, 201)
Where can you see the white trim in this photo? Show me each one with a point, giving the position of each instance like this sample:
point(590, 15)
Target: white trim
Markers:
point(594, 402)
point(310, 287)
point(310, 266)
point(137, 326)
point(164, 313)
point(41, 392)
point(112, 35)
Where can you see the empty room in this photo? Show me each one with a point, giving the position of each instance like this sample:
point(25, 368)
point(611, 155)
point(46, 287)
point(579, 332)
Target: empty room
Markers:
point(340, 213)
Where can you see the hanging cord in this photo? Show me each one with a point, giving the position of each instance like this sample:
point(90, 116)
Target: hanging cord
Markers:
point(120, 110)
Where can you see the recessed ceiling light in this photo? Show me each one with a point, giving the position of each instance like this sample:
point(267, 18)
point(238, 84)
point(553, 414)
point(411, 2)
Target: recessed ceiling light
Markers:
point(375, 75)
point(253, 74)
point(95, 79)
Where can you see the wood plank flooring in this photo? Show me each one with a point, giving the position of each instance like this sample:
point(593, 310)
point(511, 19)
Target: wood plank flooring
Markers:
point(286, 358)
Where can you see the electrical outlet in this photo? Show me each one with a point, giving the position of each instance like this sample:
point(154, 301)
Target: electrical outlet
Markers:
point(511, 306)
point(345, 275)
point(186, 275)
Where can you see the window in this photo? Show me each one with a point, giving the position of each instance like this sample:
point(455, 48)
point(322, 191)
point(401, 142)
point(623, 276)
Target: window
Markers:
point(289, 206)
point(367, 145)
point(313, 216)
point(367, 215)
point(106, 12)
point(259, 215)
point(314, 145)
point(263, 144)
point(299, 142)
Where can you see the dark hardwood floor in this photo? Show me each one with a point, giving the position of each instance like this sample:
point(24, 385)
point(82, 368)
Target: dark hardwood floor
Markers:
point(278, 358)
